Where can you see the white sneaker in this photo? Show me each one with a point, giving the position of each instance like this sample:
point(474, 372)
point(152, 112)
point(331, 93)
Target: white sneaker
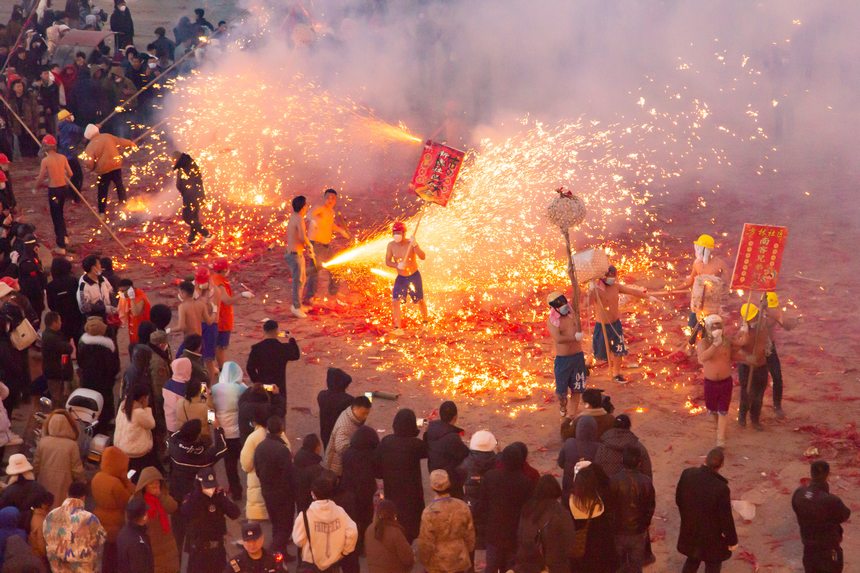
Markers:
point(297, 312)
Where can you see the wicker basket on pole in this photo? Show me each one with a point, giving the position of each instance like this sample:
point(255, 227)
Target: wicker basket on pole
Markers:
point(566, 210)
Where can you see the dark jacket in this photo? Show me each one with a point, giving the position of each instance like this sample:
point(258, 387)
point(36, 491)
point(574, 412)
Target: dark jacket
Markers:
point(62, 300)
point(632, 497)
point(306, 468)
point(22, 494)
point(446, 451)
point(188, 459)
point(133, 549)
point(204, 515)
point(358, 474)
point(820, 515)
point(605, 422)
point(273, 464)
point(121, 23)
point(707, 526)
point(333, 401)
point(582, 447)
point(138, 371)
point(248, 403)
point(56, 356)
point(98, 361)
point(471, 473)
point(504, 492)
point(398, 463)
point(198, 368)
point(18, 556)
point(9, 518)
point(189, 181)
point(544, 541)
point(267, 362)
point(612, 444)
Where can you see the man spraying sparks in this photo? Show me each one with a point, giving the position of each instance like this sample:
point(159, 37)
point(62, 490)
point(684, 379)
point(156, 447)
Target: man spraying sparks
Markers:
point(401, 255)
point(569, 367)
point(605, 294)
point(321, 230)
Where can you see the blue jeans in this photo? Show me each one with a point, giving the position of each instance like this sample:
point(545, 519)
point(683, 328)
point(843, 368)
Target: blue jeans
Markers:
point(324, 254)
point(296, 264)
point(630, 549)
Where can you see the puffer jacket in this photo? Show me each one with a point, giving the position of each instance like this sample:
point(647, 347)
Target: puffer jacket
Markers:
point(633, 500)
point(188, 459)
point(255, 507)
point(164, 551)
point(447, 536)
point(134, 436)
point(74, 538)
point(57, 462)
point(111, 490)
point(611, 448)
point(225, 397)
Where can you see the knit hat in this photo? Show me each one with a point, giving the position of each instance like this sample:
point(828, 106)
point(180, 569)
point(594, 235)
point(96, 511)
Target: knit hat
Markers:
point(483, 441)
point(158, 337)
point(90, 131)
point(18, 465)
point(439, 480)
point(181, 368)
point(95, 326)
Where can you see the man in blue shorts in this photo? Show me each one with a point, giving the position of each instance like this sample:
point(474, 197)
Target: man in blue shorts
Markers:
point(401, 255)
point(604, 294)
point(570, 371)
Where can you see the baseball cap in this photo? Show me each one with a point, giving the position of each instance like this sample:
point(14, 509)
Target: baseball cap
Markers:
point(207, 478)
point(251, 530)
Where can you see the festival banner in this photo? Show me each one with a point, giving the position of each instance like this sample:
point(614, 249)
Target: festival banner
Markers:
point(437, 172)
point(759, 257)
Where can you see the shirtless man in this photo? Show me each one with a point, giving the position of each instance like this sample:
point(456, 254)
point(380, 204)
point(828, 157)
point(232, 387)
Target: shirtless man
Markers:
point(569, 367)
point(193, 312)
point(776, 317)
point(752, 365)
point(401, 255)
point(204, 292)
point(715, 353)
point(705, 264)
point(604, 294)
point(297, 245)
point(56, 168)
point(321, 230)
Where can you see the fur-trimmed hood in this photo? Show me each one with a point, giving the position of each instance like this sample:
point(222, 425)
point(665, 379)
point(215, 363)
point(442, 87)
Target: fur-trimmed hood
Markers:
point(98, 341)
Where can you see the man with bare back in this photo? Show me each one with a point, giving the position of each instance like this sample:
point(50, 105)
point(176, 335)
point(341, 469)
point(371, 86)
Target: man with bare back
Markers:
point(401, 255)
point(569, 367)
point(715, 353)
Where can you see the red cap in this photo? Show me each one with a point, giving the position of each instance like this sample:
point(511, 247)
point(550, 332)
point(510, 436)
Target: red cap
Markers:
point(220, 265)
point(13, 284)
point(399, 227)
point(3, 159)
point(201, 276)
point(49, 140)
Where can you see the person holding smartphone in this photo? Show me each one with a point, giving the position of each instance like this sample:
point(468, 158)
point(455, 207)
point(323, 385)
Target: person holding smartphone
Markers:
point(267, 363)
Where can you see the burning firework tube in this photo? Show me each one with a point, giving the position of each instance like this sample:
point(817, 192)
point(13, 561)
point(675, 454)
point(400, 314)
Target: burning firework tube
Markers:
point(566, 211)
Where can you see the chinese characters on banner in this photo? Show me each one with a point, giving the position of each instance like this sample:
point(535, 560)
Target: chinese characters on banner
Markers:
point(759, 257)
point(436, 172)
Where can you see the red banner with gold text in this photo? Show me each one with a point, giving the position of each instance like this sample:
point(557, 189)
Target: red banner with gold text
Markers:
point(437, 172)
point(759, 257)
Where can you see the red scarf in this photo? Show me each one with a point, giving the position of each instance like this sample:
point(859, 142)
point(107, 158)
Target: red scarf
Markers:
point(155, 509)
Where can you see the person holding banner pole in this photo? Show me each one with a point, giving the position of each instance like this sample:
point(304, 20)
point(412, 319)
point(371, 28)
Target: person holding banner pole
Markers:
point(752, 368)
point(401, 255)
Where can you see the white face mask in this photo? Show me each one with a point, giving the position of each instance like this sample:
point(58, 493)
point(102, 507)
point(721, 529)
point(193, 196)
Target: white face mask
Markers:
point(564, 310)
point(717, 333)
point(609, 281)
point(121, 8)
point(702, 253)
point(398, 238)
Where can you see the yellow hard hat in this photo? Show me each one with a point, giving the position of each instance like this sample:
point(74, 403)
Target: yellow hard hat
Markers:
point(772, 300)
point(553, 296)
point(749, 311)
point(63, 114)
point(705, 241)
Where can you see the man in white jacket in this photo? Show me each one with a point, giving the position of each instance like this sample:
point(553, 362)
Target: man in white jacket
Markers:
point(331, 534)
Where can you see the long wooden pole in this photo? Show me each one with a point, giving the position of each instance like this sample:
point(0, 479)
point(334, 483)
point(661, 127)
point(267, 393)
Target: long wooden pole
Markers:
point(571, 273)
point(75, 189)
point(150, 130)
point(20, 36)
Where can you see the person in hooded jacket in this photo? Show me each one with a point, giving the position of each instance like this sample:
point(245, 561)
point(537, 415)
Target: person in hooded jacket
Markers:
point(398, 462)
point(174, 392)
point(19, 557)
point(545, 533)
point(254, 404)
point(359, 478)
point(307, 467)
point(582, 447)
point(57, 462)
point(504, 492)
point(255, 505)
point(189, 454)
point(189, 183)
point(99, 364)
point(122, 24)
point(9, 518)
point(111, 490)
point(62, 299)
point(612, 446)
point(632, 496)
point(482, 458)
point(332, 401)
point(445, 447)
point(598, 407)
point(152, 488)
point(138, 371)
point(273, 464)
point(225, 400)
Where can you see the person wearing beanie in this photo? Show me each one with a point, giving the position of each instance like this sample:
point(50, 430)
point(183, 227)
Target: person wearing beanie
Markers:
point(504, 492)
point(69, 135)
point(56, 171)
point(99, 364)
point(445, 447)
point(333, 400)
point(103, 157)
point(447, 537)
point(267, 362)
